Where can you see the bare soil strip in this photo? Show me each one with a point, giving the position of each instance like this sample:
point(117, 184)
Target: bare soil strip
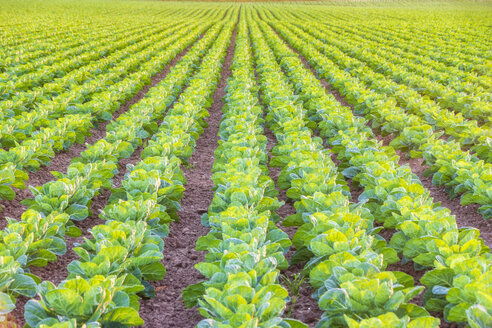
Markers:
point(167, 308)
point(57, 271)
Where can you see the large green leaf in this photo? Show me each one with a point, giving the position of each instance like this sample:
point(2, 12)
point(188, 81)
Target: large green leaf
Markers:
point(479, 317)
point(7, 193)
point(34, 313)
point(192, 293)
point(438, 277)
point(293, 323)
point(123, 315)
point(24, 285)
point(6, 304)
point(153, 271)
point(65, 301)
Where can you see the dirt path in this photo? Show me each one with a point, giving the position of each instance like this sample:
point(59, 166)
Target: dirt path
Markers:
point(57, 271)
point(167, 309)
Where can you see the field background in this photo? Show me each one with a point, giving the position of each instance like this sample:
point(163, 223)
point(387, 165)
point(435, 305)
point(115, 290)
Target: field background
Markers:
point(312, 134)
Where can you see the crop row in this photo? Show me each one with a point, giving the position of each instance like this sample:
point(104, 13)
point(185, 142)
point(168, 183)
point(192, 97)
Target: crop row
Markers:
point(69, 197)
point(346, 259)
point(245, 248)
point(458, 260)
point(435, 45)
point(425, 111)
point(70, 95)
point(71, 52)
point(412, 83)
point(461, 172)
point(447, 75)
point(37, 150)
point(473, 106)
point(69, 74)
point(42, 70)
point(127, 250)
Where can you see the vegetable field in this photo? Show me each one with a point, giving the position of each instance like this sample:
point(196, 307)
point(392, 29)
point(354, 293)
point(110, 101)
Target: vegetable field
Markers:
point(216, 164)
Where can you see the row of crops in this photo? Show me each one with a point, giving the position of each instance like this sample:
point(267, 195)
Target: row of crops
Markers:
point(327, 92)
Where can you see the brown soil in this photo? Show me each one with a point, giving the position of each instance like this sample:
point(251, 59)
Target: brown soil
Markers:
point(57, 271)
point(385, 233)
point(180, 255)
point(305, 308)
point(384, 140)
point(354, 191)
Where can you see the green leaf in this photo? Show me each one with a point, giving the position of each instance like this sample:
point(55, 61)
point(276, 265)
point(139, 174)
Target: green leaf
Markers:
point(204, 243)
point(123, 315)
point(404, 279)
point(351, 172)
point(485, 298)
point(153, 271)
point(34, 313)
point(6, 304)
point(412, 310)
point(207, 269)
point(438, 277)
point(23, 285)
point(292, 221)
point(7, 193)
point(435, 304)
point(334, 299)
point(427, 322)
point(73, 231)
point(478, 317)
point(390, 256)
point(192, 294)
point(457, 313)
point(301, 255)
point(64, 301)
point(293, 323)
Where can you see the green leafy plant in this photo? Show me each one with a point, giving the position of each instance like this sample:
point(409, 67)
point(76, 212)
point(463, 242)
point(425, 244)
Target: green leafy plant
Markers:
point(293, 286)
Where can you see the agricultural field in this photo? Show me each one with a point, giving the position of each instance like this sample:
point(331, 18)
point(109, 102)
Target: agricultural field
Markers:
point(222, 164)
